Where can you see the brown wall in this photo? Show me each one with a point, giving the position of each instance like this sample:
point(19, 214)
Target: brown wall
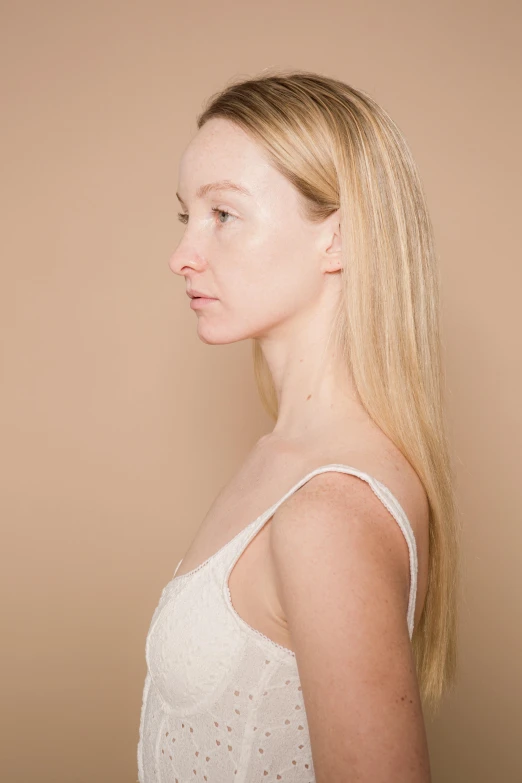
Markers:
point(112, 446)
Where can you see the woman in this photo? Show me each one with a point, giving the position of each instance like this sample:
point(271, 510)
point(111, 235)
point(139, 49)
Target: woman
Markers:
point(315, 611)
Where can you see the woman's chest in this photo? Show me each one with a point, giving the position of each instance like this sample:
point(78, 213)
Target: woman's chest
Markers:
point(214, 613)
point(259, 483)
point(251, 582)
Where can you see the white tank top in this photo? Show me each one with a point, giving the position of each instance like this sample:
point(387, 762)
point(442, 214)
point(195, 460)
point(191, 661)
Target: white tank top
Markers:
point(222, 702)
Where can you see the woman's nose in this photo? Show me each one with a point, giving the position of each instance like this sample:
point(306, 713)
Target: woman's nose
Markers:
point(184, 257)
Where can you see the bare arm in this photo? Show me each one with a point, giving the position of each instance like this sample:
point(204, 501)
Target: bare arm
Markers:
point(342, 571)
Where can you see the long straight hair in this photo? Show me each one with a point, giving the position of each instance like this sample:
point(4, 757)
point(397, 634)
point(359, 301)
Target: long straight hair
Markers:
point(343, 152)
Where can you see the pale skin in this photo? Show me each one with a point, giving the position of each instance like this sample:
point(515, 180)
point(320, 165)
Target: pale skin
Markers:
point(341, 603)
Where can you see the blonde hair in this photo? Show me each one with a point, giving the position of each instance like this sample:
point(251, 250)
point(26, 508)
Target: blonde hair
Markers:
point(341, 150)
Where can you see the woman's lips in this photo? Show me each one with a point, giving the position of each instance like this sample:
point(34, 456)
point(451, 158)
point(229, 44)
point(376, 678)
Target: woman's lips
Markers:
point(201, 301)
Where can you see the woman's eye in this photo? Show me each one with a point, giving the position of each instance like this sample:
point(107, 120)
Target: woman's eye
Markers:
point(221, 212)
point(183, 216)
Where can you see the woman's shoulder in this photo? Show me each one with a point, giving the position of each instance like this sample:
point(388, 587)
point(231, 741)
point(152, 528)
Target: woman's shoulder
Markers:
point(376, 457)
point(370, 453)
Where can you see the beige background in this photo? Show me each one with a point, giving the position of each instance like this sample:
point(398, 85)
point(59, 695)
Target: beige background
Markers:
point(118, 426)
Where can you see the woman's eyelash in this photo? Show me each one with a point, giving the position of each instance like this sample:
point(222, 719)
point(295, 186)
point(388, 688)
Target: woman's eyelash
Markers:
point(222, 211)
point(183, 216)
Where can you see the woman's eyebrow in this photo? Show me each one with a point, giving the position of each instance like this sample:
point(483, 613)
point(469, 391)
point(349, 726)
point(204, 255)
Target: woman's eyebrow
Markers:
point(224, 184)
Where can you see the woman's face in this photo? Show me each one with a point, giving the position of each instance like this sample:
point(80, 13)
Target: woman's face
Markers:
point(262, 262)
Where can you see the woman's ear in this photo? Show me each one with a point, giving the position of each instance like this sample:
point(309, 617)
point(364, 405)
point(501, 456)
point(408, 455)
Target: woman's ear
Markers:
point(332, 241)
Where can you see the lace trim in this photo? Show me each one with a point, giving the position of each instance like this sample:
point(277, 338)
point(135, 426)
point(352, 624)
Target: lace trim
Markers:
point(225, 546)
point(250, 628)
